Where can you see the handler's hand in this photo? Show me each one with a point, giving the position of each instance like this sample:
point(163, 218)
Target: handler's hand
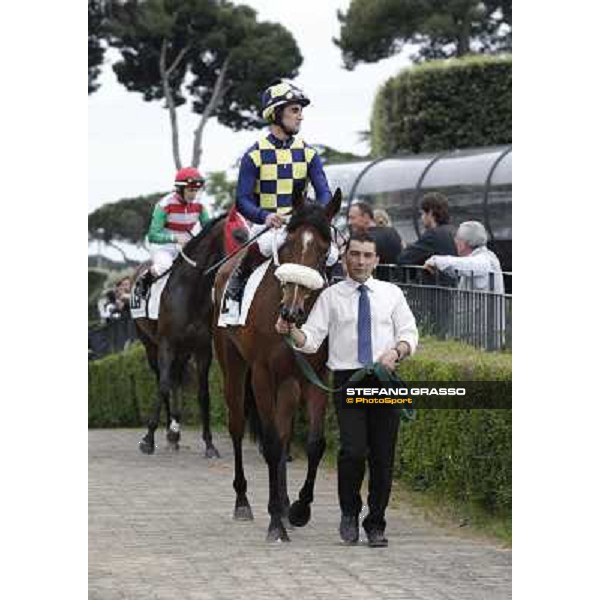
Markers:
point(388, 359)
point(274, 220)
point(283, 327)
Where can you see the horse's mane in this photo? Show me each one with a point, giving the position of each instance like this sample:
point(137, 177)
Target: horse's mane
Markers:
point(313, 214)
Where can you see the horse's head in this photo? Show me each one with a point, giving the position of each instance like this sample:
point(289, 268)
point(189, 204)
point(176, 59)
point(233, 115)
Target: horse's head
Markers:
point(304, 254)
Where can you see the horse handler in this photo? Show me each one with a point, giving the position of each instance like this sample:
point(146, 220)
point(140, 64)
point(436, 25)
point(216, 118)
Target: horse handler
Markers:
point(367, 321)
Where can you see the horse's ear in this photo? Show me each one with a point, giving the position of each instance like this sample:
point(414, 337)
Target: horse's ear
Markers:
point(334, 205)
point(297, 199)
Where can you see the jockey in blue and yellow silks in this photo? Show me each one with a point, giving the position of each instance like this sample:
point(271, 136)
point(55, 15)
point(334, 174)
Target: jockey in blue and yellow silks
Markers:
point(270, 172)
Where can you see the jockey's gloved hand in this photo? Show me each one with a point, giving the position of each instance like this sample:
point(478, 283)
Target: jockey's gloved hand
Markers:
point(274, 220)
point(183, 238)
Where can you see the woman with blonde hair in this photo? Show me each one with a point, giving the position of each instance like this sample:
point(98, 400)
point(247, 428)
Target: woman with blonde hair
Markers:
point(381, 218)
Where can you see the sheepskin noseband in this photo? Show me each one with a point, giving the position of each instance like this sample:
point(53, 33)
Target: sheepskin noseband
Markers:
point(300, 274)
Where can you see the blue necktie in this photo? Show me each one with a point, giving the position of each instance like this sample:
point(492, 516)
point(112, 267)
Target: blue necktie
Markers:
point(365, 350)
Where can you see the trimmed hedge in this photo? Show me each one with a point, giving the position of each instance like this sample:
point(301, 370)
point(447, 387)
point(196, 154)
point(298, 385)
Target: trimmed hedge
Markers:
point(462, 455)
point(444, 105)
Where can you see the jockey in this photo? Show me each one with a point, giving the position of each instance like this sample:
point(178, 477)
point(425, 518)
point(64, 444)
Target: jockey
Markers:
point(270, 172)
point(173, 219)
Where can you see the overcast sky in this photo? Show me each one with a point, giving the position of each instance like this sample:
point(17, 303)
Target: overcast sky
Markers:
point(129, 139)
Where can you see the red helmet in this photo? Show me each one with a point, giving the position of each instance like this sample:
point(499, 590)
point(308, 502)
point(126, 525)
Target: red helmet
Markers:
point(189, 177)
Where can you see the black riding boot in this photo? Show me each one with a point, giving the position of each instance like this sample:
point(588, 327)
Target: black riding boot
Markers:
point(240, 275)
point(144, 283)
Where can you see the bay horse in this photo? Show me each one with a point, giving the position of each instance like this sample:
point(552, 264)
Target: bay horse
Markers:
point(257, 350)
point(183, 330)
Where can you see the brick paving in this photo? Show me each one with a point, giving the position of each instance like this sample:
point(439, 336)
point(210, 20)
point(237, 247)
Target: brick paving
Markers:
point(161, 527)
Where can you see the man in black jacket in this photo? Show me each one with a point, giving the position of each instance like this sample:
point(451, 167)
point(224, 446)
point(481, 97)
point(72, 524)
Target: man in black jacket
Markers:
point(438, 237)
point(361, 219)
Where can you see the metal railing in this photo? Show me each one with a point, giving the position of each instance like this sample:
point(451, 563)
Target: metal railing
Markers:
point(453, 308)
point(444, 307)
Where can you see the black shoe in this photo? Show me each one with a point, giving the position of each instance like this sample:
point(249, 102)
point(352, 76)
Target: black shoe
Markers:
point(349, 529)
point(377, 539)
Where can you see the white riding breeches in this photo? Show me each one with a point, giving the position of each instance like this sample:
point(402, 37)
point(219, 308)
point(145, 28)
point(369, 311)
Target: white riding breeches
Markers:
point(163, 256)
point(277, 237)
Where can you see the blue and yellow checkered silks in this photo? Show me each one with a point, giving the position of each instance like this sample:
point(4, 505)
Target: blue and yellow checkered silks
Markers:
point(282, 171)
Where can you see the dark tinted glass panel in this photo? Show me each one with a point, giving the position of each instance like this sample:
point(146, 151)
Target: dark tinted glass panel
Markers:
point(390, 185)
point(461, 178)
point(500, 199)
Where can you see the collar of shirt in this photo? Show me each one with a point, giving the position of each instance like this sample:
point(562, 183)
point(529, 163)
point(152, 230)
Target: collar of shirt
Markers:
point(479, 250)
point(280, 143)
point(352, 285)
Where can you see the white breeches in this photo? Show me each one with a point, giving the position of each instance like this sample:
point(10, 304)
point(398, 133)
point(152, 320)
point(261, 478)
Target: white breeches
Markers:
point(163, 256)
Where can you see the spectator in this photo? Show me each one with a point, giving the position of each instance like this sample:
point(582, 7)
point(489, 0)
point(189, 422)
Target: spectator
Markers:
point(107, 305)
point(361, 219)
point(123, 295)
point(381, 218)
point(474, 263)
point(437, 238)
point(114, 302)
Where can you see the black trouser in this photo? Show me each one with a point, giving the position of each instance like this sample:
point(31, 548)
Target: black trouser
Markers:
point(366, 433)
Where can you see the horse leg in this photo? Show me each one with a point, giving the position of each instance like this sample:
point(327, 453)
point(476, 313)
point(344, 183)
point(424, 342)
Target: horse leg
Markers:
point(316, 402)
point(234, 371)
point(288, 398)
point(147, 444)
point(175, 383)
point(273, 450)
point(203, 361)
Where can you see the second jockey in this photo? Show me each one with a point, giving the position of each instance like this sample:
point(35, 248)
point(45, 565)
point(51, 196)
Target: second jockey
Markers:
point(270, 172)
point(173, 219)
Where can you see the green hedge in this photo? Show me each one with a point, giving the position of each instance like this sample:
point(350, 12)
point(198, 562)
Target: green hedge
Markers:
point(443, 105)
point(462, 455)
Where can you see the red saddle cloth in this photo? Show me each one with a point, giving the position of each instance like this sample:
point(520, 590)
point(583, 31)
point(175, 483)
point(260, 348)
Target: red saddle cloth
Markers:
point(235, 224)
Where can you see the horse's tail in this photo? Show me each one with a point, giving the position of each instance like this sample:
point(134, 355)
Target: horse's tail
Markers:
point(251, 411)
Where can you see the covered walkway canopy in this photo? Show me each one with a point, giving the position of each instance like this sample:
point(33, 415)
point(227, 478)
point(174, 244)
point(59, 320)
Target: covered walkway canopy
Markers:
point(477, 182)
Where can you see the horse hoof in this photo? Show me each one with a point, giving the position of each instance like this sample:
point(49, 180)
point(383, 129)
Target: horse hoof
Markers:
point(146, 447)
point(277, 534)
point(211, 452)
point(243, 513)
point(173, 437)
point(299, 514)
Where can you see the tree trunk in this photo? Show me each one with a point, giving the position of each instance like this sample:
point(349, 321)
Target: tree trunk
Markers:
point(217, 94)
point(164, 76)
point(463, 43)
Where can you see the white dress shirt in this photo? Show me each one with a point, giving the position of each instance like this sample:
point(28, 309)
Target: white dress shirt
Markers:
point(335, 314)
point(474, 270)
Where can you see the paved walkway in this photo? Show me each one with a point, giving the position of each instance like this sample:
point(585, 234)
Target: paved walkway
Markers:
point(160, 527)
